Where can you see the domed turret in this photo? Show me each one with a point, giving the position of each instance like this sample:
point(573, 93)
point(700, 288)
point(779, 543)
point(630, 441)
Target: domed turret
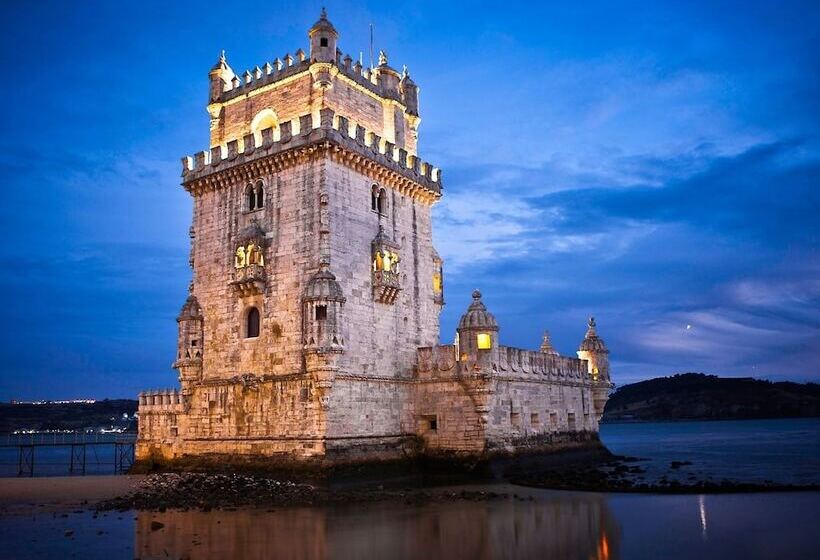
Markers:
point(592, 342)
point(594, 351)
point(220, 77)
point(546, 345)
point(409, 92)
point(387, 76)
point(477, 329)
point(477, 316)
point(323, 286)
point(189, 344)
point(322, 304)
point(323, 38)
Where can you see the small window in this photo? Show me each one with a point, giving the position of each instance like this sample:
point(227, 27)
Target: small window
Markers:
point(429, 423)
point(554, 419)
point(321, 312)
point(252, 327)
point(194, 343)
point(323, 42)
point(515, 419)
point(534, 420)
point(571, 420)
point(484, 341)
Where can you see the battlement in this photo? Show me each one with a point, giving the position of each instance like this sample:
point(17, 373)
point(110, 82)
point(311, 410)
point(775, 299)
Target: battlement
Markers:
point(324, 129)
point(162, 400)
point(288, 66)
point(441, 361)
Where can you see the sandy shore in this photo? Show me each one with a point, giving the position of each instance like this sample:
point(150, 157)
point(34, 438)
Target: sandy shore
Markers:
point(62, 492)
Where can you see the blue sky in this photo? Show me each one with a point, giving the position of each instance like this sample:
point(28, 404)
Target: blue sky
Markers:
point(655, 164)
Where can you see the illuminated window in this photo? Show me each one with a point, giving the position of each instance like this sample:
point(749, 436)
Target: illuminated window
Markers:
point(252, 323)
point(484, 341)
point(437, 283)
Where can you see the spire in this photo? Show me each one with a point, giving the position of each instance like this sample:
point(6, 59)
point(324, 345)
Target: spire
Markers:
point(591, 332)
point(546, 345)
point(221, 62)
point(592, 342)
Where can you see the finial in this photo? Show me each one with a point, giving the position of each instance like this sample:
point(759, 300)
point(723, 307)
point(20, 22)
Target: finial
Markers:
point(323, 15)
point(476, 295)
point(404, 72)
point(591, 322)
point(382, 58)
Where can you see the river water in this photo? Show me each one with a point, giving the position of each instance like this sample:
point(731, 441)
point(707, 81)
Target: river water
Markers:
point(534, 523)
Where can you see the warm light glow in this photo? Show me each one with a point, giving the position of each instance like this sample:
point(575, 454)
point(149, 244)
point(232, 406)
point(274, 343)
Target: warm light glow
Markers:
point(437, 282)
point(484, 341)
point(265, 118)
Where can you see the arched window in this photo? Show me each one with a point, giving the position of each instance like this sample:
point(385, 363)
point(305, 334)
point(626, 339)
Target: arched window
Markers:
point(252, 323)
point(260, 195)
point(378, 200)
point(250, 195)
point(382, 202)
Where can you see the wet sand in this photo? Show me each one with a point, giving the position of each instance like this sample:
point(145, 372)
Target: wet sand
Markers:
point(62, 492)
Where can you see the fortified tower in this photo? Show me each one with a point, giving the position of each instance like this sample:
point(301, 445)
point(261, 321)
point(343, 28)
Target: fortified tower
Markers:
point(313, 312)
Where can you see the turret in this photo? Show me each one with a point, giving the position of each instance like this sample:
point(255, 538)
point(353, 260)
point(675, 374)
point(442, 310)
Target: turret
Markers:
point(221, 77)
point(323, 38)
point(477, 333)
point(322, 323)
point(546, 345)
point(386, 76)
point(594, 351)
point(409, 92)
point(189, 344)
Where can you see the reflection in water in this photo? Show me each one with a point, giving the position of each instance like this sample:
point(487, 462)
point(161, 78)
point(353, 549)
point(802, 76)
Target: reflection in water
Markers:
point(559, 527)
point(702, 507)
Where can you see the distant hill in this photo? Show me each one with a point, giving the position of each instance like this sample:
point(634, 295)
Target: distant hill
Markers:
point(67, 416)
point(696, 396)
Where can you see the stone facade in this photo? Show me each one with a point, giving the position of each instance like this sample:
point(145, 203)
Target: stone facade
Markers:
point(312, 326)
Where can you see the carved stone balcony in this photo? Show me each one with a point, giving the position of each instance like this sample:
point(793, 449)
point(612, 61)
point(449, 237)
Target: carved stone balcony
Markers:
point(386, 286)
point(249, 280)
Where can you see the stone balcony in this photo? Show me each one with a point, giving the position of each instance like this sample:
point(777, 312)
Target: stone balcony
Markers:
point(249, 280)
point(386, 285)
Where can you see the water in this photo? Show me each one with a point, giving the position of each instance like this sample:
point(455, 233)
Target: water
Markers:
point(783, 451)
point(537, 524)
point(555, 525)
point(55, 460)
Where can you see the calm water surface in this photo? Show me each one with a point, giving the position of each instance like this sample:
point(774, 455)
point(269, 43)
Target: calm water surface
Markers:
point(552, 525)
point(538, 524)
point(783, 451)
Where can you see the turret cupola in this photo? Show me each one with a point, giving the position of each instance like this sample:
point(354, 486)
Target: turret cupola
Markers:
point(323, 38)
point(594, 351)
point(409, 92)
point(546, 345)
point(322, 311)
point(477, 329)
point(220, 76)
point(388, 77)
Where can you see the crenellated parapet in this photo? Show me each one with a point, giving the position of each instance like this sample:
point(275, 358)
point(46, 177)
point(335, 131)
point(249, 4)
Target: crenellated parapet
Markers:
point(160, 401)
point(298, 139)
point(444, 361)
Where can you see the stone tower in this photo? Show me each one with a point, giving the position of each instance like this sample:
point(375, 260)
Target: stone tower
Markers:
point(311, 330)
point(596, 354)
